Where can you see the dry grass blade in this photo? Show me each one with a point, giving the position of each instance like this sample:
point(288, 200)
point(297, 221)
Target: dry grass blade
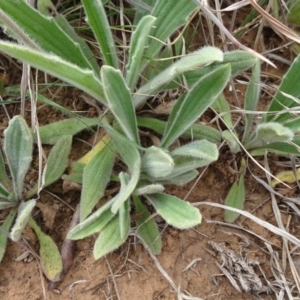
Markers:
point(260, 222)
point(235, 41)
point(209, 14)
point(191, 264)
point(275, 24)
point(239, 228)
point(113, 278)
point(229, 277)
point(285, 251)
point(281, 280)
point(180, 295)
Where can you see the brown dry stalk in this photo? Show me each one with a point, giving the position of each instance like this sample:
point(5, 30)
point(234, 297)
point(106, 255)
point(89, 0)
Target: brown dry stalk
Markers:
point(275, 24)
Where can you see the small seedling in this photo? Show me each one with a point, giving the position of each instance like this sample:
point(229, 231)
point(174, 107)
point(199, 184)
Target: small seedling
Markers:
point(17, 148)
point(278, 131)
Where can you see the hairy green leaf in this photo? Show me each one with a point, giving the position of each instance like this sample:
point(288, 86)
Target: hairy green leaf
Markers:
point(131, 157)
point(198, 149)
point(147, 228)
point(24, 213)
point(96, 175)
point(287, 95)
point(110, 238)
point(251, 99)
point(181, 179)
point(4, 229)
point(232, 141)
point(196, 131)
point(84, 79)
point(147, 188)
point(57, 160)
point(188, 62)
point(267, 133)
point(97, 19)
point(170, 16)
point(18, 150)
point(51, 133)
point(51, 261)
point(124, 219)
point(40, 32)
point(119, 100)
point(156, 162)
point(236, 199)
point(222, 106)
point(178, 213)
point(94, 223)
point(136, 50)
point(89, 56)
point(188, 109)
point(4, 180)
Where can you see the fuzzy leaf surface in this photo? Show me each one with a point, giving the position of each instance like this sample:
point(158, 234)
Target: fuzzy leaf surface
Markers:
point(156, 162)
point(251, 99)
point(18, 150)
point(93, 224)
point(24, 213)
point(58, 159)
point(131, 157)
point(110, 238)
point(178, 213)
point(51, 261)
point(198, 149)
point(4, 229)
point(137, 48)
point(147, 228)
point(40, 32)
point(51, 133)
point(124, 218)
point(170, 16)
point(268, 133)
point(191, 61)
point(232, 141)
point(96, 17)
point(236, 199)
point(287, 95)
point(222, 106)
point(188, 109)
point(84, 79)
point(147, 188)
point(4, 180)
point(196, 131)
point(239, 61)
point(282, 148)
point(96, 175)
point(181, 179)
point(62, 22)
point(119, 101)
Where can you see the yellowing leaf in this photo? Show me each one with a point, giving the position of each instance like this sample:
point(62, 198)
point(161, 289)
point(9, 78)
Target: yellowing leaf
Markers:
point(51, 261)
point(98, 147)
point(286, 176)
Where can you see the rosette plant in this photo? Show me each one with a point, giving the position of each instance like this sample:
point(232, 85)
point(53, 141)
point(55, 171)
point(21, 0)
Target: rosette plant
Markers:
point(48, 43)
point(276, 131)
point(18, 147)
